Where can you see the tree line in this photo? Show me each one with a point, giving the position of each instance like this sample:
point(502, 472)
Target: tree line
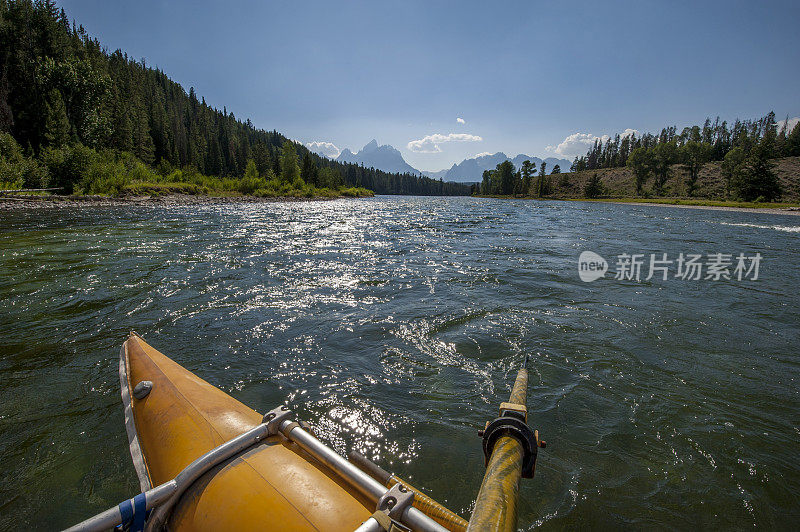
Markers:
point(506, 180)
point(66, 100)
point(746, 149)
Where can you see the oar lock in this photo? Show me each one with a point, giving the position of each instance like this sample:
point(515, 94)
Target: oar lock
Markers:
point(513, 422)
point(275, 418)
point(392, 504)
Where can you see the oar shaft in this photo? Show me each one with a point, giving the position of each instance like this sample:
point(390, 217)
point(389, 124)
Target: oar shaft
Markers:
point(519, 393)
point(496, 505)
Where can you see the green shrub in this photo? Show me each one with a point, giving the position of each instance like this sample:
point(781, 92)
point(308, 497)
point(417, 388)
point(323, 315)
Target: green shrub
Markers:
point(82, 170)
point(18, 171)
point(593, 187)
point(248, 185)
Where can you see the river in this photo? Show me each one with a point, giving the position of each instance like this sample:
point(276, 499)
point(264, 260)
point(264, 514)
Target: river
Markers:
point(395, 326)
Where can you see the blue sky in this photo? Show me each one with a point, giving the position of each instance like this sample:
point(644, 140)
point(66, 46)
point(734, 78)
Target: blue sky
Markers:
point(529, 77)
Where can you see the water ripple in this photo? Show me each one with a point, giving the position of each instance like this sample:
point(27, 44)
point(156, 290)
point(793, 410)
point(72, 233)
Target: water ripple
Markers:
point(395, 326)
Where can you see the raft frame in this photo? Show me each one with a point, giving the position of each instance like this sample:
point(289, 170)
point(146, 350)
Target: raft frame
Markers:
point(164, 496)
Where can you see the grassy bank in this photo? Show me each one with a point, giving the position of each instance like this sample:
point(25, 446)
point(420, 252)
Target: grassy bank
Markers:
point(269, 190)
point(687, 202)
point(696, 202)
point(78, 170)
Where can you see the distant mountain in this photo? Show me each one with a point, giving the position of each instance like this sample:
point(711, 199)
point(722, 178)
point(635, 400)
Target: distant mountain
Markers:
point(385, 158)
point(471, 170)
point(437, 175)
point(389, 159)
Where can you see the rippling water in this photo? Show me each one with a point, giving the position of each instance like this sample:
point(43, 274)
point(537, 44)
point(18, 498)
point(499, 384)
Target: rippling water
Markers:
point(395, 325)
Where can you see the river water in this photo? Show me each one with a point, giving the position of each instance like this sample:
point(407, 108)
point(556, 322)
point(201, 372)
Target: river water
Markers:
point(395, 325)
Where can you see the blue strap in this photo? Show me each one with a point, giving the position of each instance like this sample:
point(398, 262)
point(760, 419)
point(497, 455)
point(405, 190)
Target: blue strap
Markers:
point(140, 509)
point(126, 511)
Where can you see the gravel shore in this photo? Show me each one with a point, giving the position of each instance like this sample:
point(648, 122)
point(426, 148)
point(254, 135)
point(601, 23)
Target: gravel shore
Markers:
point(792, 211)
point(11, 202)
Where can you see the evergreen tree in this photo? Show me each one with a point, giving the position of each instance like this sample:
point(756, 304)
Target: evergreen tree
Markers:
point(542, 186)
point(527, 169)
point(793, 141)
point(593, 187)
point(755, 180)
point(290, 171)
point(56, 128)
point(693, 155)
point(504, 177)
point(640, 162)
point(309, 171)
point(732, 166)
point(664, 155)
point(486, 182)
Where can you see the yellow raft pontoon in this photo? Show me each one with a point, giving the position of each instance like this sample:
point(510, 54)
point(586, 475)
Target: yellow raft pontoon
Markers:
point(205, 461)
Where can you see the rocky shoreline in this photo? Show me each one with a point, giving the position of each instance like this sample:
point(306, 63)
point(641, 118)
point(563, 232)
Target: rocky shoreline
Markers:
point(13, 202)
point(792, 211)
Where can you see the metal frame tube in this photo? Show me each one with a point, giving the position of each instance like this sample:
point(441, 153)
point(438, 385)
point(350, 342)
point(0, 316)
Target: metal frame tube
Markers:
point(364, 483)
point(164, 496)
point(112, 517)
point(370, 525)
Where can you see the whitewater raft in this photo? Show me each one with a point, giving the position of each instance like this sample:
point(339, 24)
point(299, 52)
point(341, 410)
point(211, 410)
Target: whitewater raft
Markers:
point(205, 461)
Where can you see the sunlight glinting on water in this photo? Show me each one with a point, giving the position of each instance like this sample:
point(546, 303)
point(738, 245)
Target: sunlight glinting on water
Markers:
point(395, 326)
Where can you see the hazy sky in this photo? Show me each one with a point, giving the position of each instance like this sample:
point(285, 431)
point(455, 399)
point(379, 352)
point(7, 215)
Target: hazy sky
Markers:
point(442, 81)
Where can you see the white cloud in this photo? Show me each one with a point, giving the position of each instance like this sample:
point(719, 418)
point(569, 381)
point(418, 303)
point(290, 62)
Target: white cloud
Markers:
point(575, 144)
point(430, 143)
point(460, 120)
point(579, 143)
point(792, 122)
point(328, 149)
point(482, 154)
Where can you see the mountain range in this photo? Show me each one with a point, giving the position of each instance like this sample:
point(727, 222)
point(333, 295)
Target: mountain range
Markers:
point(389, 159)
point(385, 158)
point(470, 170)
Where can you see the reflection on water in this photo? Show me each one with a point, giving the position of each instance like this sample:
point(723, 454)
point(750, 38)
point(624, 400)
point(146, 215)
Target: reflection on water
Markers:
point(394, 325)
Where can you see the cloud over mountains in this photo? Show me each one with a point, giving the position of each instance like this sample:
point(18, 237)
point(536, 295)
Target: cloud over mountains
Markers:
point(430, 143)
point(327, 149)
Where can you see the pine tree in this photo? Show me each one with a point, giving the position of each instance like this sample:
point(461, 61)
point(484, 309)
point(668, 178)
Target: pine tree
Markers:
point(693, 156)
point(56, 128)
point(793, 141)
point(527, 170)
point(309, 171)
point(640, 162)
point(290, 171)
point(542, 188)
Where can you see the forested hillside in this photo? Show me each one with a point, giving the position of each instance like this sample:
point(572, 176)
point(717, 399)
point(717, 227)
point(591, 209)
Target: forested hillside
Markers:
point(68, 102)
point(746, 152)
point(754, 161)
point(711, 183)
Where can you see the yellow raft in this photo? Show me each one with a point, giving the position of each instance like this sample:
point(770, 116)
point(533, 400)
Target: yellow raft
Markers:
point(273, 485)
point(205, 461)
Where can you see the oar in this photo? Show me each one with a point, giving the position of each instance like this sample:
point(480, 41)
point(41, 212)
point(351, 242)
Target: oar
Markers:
point(510, 447)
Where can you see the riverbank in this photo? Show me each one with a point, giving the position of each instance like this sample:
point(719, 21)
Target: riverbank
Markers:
point(13, 202)
point(772, 208)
